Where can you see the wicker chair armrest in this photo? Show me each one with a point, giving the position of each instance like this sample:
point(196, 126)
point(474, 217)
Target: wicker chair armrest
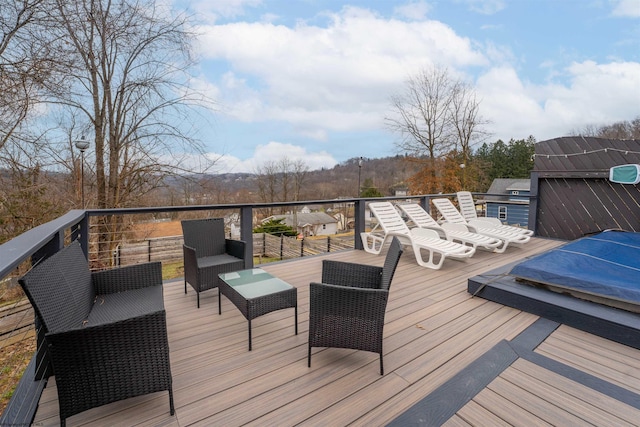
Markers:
point(346, 301)
point(127, 278)
point(189, 251)
point(235, 247)
point(190, 264)
point(351, 274)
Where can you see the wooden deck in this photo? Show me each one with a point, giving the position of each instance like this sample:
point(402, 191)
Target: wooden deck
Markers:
point(437, 337)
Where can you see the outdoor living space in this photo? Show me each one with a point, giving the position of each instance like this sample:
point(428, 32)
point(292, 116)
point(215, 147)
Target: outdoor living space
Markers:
point(439, 347)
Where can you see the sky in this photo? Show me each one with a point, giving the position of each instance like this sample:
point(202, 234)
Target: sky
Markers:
point(312, 80)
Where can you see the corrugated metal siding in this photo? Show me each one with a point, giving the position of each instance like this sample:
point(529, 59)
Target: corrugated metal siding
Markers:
point(575, 197)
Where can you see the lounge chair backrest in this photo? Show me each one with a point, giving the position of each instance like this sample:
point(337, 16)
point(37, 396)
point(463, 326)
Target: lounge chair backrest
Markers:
point(69, 304)
point(388, 218)
point(206, 236)
point(448, 211)
point(419, 216)
point(467, 205)
point(390, 263)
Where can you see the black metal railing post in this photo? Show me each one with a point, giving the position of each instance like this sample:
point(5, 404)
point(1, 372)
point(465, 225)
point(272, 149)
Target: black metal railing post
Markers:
point(246, 234)
point(84, 235)
point(359, 226)
point(533, 202)
point(281, 247)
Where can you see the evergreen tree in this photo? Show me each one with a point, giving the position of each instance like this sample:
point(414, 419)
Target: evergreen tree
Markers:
point(276, 227)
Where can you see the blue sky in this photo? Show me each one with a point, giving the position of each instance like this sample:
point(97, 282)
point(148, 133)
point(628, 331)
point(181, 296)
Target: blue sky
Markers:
point(312, 79)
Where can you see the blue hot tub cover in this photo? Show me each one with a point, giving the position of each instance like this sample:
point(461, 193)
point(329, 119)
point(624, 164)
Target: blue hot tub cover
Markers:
point(605, 264)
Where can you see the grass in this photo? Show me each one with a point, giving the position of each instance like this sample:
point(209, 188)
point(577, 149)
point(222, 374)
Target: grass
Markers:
point(10, 294)
point(172, 270)
point(14, 359)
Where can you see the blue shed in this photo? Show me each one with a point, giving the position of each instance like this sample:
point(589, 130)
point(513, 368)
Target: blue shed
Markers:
point(509, 201)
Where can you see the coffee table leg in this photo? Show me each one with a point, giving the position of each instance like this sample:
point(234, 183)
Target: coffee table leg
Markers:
point(249, 321)
point(219, 302)
point(296, 318)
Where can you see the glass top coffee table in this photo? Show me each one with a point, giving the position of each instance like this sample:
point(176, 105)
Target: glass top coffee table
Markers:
point(256, 292)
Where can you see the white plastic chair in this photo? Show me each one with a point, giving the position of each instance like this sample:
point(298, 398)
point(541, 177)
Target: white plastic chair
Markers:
point(452, 215)
point(468, 211)
point(453, 232)
point(421, 240)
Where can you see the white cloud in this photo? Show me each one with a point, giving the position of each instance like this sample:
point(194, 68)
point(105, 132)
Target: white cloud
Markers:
point(596, 94)
point(415, 10)
point(334, 78)
point(274, 152)
point(627, 8)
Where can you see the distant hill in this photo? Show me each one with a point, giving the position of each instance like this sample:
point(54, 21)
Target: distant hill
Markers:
point(339, 181)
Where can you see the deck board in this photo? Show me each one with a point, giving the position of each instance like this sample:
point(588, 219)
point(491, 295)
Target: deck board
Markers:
point(599, 357)
point(433, 330)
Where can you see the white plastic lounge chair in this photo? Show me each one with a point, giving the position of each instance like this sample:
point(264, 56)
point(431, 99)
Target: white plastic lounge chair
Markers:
point(391, 224)
point(451, 215)
point(468, 211)
point(453, 232)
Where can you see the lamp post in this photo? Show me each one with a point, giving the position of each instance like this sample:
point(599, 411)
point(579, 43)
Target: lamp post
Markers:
point(359, 171)
point(82, 144)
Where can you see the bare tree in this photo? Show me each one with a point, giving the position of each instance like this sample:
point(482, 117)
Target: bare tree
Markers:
point(267, 182)
point(421, 118)
point(435, 114)
point(422, 113)
point(281, 181)
point(300, 171)
point(465, 118)
point(24, 65)
point(467, 126)
point(619, 130)
point(123, 68)
point(29, 194)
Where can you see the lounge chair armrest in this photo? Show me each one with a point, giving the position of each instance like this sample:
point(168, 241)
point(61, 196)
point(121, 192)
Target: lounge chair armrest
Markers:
point(473, 226)
point(235, 247)
point(351, 274)
point(491, 221)
point(450, 226)
point(425, 232)
point(439, 229)
point(127, 278)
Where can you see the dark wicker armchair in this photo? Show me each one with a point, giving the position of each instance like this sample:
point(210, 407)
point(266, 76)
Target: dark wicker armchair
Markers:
point(106, 331)
point(347, 309)
point(207, 253)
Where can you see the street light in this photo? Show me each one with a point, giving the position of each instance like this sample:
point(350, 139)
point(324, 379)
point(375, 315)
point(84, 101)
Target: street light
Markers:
point(82, 144)
point(359, 170)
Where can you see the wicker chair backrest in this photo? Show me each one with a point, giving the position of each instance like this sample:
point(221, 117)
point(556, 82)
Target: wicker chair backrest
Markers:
point(206, 236)
point(60, 290)
point(390, 263)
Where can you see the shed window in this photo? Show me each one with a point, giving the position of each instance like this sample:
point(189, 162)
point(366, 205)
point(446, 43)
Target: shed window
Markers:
point(502, 212)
